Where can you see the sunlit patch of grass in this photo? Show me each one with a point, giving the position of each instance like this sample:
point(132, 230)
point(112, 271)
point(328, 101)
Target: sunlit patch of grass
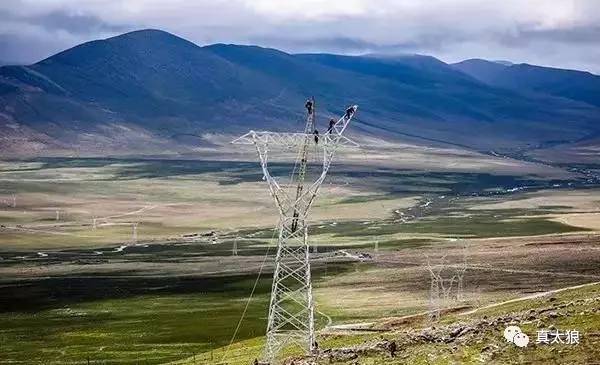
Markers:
point(475, 349)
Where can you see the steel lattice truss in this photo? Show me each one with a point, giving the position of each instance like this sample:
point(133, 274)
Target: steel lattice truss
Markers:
point(291, 310)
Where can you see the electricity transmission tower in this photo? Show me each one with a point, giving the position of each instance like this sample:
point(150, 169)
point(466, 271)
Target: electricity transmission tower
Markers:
point(291, 310)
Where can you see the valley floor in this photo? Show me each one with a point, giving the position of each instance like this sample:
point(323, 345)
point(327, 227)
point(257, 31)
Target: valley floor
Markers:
point(152, 261)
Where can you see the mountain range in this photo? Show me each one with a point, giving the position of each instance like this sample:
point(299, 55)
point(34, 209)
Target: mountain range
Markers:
point(149, 92)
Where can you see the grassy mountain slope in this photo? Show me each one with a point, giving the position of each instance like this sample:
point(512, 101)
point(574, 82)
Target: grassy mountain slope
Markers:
point(457, 339)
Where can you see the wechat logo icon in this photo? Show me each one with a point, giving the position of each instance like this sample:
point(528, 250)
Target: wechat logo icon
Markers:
point(513, 334)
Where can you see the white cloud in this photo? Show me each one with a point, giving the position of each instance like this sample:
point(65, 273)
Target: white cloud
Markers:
point(308, 10)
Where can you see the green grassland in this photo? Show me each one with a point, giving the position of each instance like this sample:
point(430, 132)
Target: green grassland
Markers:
point(83, 297)
point(148, 328)
point(122, 320)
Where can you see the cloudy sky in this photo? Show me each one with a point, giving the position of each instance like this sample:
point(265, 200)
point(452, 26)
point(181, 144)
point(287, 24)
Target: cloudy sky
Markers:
point(561, 33)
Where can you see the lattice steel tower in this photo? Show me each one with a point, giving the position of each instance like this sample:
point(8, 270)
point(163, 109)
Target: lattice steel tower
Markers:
point(291, 310)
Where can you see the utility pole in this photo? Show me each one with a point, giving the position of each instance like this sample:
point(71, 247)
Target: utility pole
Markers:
point(134, 235)
point(291, 310)
point(234, 250)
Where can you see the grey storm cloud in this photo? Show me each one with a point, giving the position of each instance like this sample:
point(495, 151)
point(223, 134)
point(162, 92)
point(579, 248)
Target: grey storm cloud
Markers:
point(28, 36)
point(556, 33)
point(74, 23)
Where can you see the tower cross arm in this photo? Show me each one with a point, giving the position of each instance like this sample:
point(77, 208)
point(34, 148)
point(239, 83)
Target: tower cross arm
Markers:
point(331, 139)
point(291, 140)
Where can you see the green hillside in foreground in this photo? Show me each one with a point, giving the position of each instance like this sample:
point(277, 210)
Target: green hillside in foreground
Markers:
point(461, 337)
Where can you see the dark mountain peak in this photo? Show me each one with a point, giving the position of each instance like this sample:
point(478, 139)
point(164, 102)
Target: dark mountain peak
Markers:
point(576, 85)
point(399, 56)
point(142, 33)
point(480, 69)
point(554, 70)
point(151, 37)
point(413, 59)
point(267, 60)
point(126, 71)
point(481, 61)
point(229, 49)
point(141, 43)
point(417, 70)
